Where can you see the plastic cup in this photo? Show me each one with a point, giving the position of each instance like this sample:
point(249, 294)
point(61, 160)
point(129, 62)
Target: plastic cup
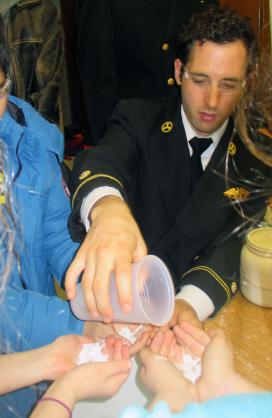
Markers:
point(152, 294)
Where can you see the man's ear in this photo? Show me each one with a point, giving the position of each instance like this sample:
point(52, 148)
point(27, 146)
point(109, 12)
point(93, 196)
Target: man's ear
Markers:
point(178, 68)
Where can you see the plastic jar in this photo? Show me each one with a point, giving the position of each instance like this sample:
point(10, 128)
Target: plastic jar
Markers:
point(256, 267)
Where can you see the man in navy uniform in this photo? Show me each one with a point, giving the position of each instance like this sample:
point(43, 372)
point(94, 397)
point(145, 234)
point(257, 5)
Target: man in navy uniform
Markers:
point(157, 180)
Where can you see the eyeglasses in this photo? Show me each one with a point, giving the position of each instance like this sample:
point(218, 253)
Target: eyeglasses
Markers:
point(226, 86)
point(5, 88)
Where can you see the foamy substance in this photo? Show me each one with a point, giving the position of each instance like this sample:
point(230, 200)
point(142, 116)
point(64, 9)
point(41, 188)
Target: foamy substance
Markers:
point(130, 335)
point(190, 367)
point(92, 352)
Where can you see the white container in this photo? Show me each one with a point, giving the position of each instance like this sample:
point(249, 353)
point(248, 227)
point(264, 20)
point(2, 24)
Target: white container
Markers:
point(256, 267)
point(152, 294)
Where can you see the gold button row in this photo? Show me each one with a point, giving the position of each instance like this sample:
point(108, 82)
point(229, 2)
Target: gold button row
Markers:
point(171, 80)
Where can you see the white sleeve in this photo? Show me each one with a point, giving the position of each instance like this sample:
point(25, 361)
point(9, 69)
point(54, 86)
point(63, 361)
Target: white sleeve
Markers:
point(198, 299)
point(92, 198)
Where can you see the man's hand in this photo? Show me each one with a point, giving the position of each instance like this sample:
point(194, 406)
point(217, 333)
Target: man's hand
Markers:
point(183, 312)
point(113, 242)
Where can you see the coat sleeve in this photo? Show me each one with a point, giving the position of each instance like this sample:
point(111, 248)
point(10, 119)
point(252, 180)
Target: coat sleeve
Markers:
point(59, 246)
point(217, 270)
point(111, 163)
point(255, 405)
point(96, 59)
point(29, 319)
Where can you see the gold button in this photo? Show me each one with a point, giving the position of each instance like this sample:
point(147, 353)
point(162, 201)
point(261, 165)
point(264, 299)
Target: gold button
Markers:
point(165, 46)
point(233, 287)
point(170, 81)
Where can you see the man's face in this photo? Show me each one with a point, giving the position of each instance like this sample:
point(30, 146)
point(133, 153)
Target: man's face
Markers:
point(207, 109)
point(3, 99)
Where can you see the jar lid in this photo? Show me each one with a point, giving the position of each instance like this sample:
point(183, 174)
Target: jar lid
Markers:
point(261, 238)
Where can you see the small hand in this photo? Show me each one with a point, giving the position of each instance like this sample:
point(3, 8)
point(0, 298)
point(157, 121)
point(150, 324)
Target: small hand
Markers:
point(100, 379)
point(63, 354)
point(165, 344)
point(163, 379)
point(217, 358)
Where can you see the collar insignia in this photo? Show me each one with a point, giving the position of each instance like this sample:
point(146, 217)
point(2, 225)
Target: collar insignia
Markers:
point(232, 148)
point(237, 193)
point(167, 127)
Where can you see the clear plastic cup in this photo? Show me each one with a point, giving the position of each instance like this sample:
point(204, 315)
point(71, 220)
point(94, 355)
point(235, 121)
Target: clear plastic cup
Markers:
point(152, 292)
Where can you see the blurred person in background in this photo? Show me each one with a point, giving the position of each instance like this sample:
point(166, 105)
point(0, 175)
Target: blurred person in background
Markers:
point(125, 50)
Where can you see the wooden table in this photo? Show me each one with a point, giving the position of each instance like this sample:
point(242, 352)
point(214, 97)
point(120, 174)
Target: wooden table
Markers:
point(249, 329)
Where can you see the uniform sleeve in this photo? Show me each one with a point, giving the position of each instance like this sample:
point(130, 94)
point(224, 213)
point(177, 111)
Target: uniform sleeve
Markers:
point(216, 272)
point(111, 163)
point(96, 59)
point(29, 320)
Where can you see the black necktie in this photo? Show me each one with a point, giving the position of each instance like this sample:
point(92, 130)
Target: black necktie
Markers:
point(199, 145)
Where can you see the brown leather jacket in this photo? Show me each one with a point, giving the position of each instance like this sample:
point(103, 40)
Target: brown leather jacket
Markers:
point(34, 35)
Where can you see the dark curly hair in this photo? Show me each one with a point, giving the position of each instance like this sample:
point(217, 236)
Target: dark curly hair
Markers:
point(222, 25)
point(218, 24)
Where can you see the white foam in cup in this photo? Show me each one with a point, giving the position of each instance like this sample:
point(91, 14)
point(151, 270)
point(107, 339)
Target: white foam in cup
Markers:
point(152, 291)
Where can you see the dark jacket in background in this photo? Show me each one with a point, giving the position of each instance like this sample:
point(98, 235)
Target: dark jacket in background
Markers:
point(33, 32)
point(125, 50)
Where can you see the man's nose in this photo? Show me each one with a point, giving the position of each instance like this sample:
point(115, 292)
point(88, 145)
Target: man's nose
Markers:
point(212, 96)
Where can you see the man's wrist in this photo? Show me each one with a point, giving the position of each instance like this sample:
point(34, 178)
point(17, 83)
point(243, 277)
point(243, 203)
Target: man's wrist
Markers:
point(198, 300)
point(106, 202)
point(93, 197)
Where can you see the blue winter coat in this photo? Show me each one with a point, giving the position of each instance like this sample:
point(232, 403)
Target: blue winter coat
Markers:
point(31, 314)
point(253, 405)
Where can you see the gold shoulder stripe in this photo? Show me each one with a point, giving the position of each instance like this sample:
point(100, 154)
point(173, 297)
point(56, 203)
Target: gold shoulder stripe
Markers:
point(92, 178)
point(214, 275)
